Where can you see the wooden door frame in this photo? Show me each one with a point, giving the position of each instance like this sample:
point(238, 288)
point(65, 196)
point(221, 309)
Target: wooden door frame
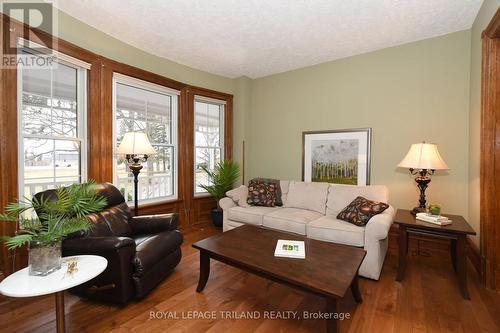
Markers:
point(490, 155)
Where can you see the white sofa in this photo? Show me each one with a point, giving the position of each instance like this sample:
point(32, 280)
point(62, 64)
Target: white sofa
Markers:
point(310, 209)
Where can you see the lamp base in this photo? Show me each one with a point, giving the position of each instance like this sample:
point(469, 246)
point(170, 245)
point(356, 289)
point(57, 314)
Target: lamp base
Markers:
point(416, 210)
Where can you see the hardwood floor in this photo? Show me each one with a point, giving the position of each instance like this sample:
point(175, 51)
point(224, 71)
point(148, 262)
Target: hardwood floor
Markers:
point(428, 300)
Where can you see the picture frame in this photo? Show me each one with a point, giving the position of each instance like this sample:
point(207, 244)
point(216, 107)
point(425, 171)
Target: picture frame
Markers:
point(340, 156)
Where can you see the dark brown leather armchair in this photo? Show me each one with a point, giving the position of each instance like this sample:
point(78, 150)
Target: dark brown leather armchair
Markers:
point(141, 250)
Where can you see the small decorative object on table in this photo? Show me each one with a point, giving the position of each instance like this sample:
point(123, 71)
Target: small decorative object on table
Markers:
point(436, 219)
point(435, 209)
point(61, 216)
point(290, 249)
point(72, 267)
point(423, 159)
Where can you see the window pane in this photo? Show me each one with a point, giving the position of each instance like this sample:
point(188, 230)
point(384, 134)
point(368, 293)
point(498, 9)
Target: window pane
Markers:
point(67, 158)
point(37, 115)
point(38, 158)
point(207, 157)
point(207, 122)
point(139, 109)
point(208, 141)
point(50, 109)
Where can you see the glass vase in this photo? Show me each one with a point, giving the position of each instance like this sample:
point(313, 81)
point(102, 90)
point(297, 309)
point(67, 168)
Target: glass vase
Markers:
point(44, 258)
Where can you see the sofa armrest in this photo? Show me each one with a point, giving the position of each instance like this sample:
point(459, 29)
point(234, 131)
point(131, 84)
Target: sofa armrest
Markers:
point(96, 245)
point(226, 203)
point(378, 226)
point(153, 224)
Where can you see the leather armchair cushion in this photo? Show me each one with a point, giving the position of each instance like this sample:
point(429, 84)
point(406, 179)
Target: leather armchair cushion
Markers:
point(112, 221)
point(97, 245)
point(153, 224)
point(151, 249)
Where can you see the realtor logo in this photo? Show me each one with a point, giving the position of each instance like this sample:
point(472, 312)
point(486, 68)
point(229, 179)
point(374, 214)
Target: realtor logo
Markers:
point(37, 14)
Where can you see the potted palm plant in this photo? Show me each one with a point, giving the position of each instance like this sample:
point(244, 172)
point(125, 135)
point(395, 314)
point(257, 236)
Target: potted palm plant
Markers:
point(55, 219)
point(221, 180)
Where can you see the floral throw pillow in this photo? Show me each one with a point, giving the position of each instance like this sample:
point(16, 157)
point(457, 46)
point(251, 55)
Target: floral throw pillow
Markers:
point(262, 193)
point(361, 210)
point(278, 188)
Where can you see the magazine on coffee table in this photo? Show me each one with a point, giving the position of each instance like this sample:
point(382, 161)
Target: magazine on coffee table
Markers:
point(290, 249)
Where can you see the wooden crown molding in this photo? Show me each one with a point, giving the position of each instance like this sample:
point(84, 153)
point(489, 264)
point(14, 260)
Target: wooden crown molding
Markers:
point(493, 28)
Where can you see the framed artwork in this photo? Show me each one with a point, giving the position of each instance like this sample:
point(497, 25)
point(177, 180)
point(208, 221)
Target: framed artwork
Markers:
point(337, 156)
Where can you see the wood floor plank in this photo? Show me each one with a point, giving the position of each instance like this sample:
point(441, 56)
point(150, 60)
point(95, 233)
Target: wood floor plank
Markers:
point(427, 300)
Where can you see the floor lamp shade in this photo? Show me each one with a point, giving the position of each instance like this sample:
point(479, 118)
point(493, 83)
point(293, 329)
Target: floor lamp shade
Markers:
point(135, 143)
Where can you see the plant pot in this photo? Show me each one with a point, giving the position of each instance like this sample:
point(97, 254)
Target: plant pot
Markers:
point(217, 218)
point(44, 258)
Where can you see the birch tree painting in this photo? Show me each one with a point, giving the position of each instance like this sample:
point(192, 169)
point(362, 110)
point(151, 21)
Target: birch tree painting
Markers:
point(335, 161)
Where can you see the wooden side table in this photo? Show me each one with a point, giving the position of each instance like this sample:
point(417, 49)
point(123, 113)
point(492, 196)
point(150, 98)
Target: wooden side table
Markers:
point(456, 232)
point(21, 284)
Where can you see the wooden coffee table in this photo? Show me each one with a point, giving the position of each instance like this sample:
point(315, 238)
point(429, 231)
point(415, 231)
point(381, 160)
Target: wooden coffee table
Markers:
point(328, 270)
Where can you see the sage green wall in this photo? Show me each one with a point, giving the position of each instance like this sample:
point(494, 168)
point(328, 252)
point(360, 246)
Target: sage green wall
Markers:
point(484, 16)
point(406, 94)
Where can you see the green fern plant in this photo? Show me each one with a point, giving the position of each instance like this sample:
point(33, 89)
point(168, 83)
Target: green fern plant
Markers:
point(221, 179)
point(56, 218)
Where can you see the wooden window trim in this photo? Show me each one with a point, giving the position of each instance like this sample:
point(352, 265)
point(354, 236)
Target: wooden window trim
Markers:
point(99, 125)
point(200, 205)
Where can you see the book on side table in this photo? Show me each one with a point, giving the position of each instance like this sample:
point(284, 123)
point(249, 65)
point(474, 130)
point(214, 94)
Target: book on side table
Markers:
point(290, 249)
point(435, 219)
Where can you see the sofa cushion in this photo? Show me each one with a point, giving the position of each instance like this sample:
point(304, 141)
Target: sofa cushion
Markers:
point(310, 196)
point(250, 215)
point(290, 219)
point(330, 229)
point(262, 192)
point(239, 195)
point(284, 184)
point(339, 196)
point(361, 210)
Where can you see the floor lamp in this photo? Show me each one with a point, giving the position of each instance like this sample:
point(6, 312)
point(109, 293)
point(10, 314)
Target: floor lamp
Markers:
point(136, 148)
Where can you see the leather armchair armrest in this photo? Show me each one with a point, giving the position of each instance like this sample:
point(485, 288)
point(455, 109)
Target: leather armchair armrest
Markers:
point(96, 245)
point(153, 224)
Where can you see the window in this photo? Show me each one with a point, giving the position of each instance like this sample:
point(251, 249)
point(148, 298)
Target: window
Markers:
point(143, 106)
point(208, 137)
point(51, 124)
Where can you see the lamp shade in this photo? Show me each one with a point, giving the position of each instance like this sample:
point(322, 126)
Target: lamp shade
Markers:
point(423, 156)
point(135, 143)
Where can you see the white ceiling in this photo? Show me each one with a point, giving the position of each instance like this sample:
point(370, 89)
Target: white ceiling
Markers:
point(256, 38)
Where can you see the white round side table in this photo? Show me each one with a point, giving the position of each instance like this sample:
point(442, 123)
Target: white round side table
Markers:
point(20, 284)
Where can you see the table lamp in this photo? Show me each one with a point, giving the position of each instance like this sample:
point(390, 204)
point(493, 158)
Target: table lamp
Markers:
point(423, 159)
point(136, 148)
